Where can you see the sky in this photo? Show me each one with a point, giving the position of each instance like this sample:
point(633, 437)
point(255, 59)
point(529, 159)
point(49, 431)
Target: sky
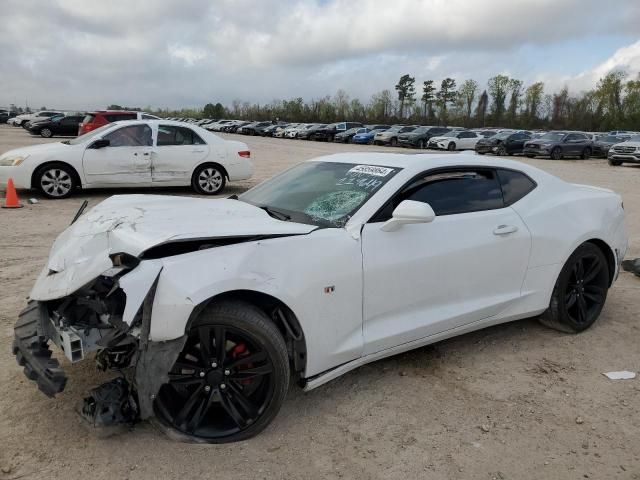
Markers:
point(85, 54)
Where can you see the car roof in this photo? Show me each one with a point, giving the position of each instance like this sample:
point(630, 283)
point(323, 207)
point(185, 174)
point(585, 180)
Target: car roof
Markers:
point(150, 121)
point(416, 163)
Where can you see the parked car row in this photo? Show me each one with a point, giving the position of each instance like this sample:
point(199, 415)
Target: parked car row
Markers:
point(48, 124)
point(497, 141)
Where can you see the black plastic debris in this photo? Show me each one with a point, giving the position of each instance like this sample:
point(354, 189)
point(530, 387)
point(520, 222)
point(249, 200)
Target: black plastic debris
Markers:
point(632, 266)
point(110, 404)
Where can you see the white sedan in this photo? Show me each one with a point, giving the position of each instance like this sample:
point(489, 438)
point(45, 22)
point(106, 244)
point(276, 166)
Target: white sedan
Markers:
point(210, 307)
point(135, 153)
point(455, 140)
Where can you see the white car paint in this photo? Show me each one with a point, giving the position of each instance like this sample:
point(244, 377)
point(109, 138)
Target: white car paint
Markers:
point(359, 293)
point(33, 117)
point(463, 140)
point(128, 166)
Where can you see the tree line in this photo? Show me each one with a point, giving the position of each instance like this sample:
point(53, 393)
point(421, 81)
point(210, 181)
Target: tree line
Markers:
point(614, 103)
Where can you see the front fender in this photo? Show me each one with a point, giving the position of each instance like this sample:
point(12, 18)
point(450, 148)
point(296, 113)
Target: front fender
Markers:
point(318, 276)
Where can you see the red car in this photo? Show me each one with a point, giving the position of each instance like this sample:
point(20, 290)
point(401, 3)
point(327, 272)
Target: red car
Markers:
point(99, 118)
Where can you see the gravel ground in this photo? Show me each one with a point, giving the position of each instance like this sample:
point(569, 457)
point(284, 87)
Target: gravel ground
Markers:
point(515, 401)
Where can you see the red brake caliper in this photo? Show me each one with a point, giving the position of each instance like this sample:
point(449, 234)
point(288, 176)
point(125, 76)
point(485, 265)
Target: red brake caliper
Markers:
point(239, 351)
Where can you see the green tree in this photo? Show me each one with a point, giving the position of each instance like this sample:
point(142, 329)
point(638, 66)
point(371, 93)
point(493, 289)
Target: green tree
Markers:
point(467, 92)
point(406, 91)
point(609, 93)
point(446, 95)
point(533, 100)
point(498, 88)
point(515, 87)
point(631, 105)
point(481, 110)
point(380, 106)
point(209, 110)
point(428, 97)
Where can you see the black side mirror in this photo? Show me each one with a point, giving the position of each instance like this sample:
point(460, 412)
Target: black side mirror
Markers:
point(101, 143)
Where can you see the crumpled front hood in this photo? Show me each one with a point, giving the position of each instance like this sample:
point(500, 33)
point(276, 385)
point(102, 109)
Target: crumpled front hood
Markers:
point(134, 223)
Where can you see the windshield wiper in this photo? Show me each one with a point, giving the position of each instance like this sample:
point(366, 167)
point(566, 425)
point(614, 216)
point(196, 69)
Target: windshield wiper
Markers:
point(276, 214)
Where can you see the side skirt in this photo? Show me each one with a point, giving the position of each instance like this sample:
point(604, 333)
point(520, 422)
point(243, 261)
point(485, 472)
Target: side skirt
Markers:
point(329, 375)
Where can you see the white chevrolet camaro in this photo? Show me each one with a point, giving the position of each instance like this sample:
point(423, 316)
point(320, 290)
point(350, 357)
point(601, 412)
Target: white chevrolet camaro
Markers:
point(210, 307)
point(134, 153)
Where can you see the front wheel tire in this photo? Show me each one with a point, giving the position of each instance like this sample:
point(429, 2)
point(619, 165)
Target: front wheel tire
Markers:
point(55, 181)
point(451, 147)
point(208, 179)
point(556, 154)
point(231, 378)
point(46, 133)
point(580, 291)
point(614, 163)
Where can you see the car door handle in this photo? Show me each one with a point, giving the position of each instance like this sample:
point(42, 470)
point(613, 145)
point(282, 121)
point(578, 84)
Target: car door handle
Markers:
point(505, 229)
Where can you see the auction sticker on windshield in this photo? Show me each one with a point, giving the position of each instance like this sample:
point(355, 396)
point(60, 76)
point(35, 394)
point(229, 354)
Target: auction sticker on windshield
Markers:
point(371, 170)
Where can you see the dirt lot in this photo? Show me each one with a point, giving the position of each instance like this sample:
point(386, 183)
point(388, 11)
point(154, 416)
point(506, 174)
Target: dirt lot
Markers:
point(515, 401)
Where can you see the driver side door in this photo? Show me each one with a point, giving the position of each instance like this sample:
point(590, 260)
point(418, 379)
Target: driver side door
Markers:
point(468, 264)
point(125, 161)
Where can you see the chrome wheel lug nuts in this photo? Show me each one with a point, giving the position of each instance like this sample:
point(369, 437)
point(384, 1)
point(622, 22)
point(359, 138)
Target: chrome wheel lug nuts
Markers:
point(227, 372)
point(214, 365)
point(222, 386)
point(201, 374)
point(207, 388)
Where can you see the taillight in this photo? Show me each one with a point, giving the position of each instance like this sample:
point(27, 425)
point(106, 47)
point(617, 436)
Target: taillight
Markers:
point(245, 153)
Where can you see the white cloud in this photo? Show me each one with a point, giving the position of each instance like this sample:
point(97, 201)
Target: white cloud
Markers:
point(190, 56)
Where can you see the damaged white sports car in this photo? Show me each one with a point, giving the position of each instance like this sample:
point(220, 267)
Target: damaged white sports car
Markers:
point(210, 307)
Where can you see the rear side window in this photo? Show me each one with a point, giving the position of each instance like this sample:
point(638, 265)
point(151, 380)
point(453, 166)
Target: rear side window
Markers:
point(171, 135)
point(88, 119)
point(458, 192)
point(515, 185)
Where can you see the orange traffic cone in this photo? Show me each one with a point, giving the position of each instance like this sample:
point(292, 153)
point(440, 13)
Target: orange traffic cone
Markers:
point(11, 198)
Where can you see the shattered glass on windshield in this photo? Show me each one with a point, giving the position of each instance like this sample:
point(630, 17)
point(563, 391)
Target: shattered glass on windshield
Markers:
point(320, 193)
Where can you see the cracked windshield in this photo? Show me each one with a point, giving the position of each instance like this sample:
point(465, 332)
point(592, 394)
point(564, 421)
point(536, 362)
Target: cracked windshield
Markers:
point(320, 193)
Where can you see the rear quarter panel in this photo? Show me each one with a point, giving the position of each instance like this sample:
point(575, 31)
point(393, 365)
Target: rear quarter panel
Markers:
point(561, 216)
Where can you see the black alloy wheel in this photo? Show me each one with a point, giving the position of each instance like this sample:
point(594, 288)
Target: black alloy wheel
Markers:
point(46, 133)
point(580, 291)
point(451, 147)
point(501, 151)
point(586, 153)
point(394, 142)
point(231, 378)
point(556, 154)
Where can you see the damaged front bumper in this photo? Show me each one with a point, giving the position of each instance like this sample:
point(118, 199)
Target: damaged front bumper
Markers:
point(90, 321)
point(31, 348)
